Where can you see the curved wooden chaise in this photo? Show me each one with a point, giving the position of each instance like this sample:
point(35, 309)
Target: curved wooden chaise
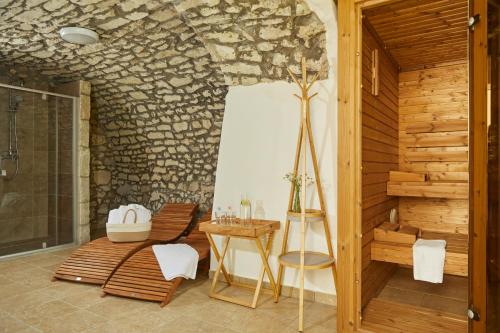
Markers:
point(95, 261)
point(140, 276)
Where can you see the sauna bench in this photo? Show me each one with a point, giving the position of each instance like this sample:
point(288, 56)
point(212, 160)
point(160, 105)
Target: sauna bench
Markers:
point(456, 261)
point(429, 189)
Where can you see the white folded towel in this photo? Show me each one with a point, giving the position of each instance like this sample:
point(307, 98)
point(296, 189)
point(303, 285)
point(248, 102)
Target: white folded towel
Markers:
point(115, 216)
point(428, 260)
point(177, 260)
point(143, 214)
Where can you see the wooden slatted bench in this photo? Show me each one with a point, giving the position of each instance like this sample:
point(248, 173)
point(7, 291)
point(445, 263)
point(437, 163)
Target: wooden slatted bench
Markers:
point(456, 261)
point(95, 261)
point(429, 189)
point(140, 276)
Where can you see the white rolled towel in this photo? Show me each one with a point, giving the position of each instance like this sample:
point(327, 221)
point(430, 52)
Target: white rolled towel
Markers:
point(143, 214)
point(116, 216)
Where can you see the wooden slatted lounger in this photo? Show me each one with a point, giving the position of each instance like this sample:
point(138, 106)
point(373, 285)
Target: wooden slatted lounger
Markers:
point(95, 261)
point(140, 275)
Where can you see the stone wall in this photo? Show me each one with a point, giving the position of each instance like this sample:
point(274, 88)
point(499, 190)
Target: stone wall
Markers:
point(255, 41)
point(159, 76)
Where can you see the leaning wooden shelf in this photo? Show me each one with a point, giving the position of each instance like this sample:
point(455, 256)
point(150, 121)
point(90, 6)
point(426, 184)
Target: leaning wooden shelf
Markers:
point(303, 260)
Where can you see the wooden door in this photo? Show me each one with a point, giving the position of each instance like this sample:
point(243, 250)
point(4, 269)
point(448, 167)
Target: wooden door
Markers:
point(484, 99)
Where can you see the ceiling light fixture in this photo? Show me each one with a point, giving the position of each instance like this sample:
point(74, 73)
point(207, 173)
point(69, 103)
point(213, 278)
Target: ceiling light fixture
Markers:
point(78, 35)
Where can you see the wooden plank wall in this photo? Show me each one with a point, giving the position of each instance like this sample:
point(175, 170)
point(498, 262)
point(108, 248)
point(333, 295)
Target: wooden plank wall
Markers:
point(433, 135)
point(380, 155)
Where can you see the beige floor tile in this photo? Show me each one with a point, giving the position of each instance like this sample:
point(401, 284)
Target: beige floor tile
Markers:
point(73, 322)
point(10, 289)
point(30, 302)
point(62, 289)
point(48, 311)
point(85, 298)
point(285, 311)
point(318, 318)
point(10, 324)
point(4, 280)
point(190, 324)
point(34, 278)
point(8, 267)
point(115, 307)
point(17, 304)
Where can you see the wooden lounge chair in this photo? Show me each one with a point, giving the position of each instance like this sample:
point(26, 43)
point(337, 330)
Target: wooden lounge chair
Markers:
point(140, 275)
point(95, 261)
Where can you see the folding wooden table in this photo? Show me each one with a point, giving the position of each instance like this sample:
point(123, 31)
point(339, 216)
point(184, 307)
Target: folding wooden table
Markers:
point(252, 231)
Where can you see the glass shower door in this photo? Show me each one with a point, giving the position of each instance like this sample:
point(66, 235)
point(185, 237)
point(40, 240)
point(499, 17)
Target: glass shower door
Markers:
point(36, 170)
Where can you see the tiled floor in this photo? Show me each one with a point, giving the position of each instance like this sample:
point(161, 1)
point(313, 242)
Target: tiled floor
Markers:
point(451, 296)
point(30, 302)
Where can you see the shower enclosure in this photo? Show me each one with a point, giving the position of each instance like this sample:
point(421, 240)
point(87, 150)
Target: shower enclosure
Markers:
point(36, 169)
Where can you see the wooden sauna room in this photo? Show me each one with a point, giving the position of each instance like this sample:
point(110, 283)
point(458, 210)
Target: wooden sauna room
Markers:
point(414, 160)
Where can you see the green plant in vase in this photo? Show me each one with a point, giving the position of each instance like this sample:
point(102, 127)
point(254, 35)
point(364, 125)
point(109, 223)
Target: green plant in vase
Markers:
point(296, 181)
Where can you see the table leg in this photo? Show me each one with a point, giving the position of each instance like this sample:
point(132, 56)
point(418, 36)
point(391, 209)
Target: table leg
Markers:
point(220, 264)
point(262, 270)
point(217, 257)
point(264, 255)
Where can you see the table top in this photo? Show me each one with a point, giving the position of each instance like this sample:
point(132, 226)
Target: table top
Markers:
point(254, 228)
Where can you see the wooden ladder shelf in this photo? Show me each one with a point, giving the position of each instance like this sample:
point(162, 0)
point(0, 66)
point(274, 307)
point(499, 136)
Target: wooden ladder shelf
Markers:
point(301, 259)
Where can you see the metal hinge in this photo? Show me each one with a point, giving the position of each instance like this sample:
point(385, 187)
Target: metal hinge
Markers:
point(473, 20)
point(473, 314)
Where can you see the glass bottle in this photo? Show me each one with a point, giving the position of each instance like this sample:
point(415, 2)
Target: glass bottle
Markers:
point(260, 213)
point(245, 210)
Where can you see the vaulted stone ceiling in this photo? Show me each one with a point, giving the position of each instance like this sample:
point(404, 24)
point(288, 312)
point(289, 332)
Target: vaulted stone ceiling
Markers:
point(159, 76)
point(250, 40)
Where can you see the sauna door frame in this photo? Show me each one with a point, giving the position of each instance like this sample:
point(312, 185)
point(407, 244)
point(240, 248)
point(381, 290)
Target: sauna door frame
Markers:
point(349, 201)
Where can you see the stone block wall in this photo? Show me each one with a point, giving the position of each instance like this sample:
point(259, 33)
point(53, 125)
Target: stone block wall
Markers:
point(159, 76)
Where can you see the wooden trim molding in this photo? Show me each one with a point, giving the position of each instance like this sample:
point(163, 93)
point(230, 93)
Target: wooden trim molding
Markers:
point(478, 165)
point(349, 168)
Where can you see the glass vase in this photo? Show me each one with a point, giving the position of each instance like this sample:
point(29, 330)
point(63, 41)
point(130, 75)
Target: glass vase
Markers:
point(296, 200)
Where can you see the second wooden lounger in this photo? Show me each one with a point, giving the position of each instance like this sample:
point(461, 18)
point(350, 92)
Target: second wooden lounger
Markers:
point(140, 275)
point(96, 260)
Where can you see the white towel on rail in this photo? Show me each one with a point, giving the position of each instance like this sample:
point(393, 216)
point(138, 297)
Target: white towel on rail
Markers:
point(177, 260)
point(428, 260)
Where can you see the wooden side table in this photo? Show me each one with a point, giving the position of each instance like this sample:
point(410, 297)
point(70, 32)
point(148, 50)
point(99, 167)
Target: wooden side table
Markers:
point(251, 231)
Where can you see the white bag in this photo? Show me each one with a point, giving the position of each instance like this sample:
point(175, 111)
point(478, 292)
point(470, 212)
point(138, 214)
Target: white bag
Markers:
point(128, 232)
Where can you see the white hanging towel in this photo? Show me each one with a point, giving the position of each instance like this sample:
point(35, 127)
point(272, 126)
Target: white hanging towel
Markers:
point(428, 260)
point(177, 260)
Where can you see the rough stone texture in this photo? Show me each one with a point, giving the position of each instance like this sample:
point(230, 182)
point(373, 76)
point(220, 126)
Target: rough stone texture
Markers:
point(159, 76)
point(254, 41)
